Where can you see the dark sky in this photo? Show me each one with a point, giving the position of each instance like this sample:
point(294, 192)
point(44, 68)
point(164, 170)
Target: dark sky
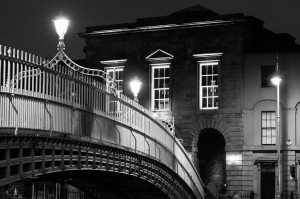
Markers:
point(27, 24)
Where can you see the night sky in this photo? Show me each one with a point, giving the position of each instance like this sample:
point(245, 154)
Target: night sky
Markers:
point(27, 24)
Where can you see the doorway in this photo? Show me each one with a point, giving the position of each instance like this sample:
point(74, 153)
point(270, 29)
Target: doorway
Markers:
point(212, 161)
point(267, 185)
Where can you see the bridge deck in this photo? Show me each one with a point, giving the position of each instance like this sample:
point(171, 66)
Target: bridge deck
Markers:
point(50, 98)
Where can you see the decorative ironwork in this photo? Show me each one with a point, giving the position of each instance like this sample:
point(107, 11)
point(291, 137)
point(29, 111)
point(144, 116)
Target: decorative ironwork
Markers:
point(28, 156)
point(61, 56)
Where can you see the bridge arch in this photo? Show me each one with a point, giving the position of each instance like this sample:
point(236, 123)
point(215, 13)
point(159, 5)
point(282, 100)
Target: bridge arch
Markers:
point(47, 158)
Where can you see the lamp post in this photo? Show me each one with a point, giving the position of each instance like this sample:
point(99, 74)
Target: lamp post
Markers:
point(61, 25)
point(276, 81)
point(135, 86)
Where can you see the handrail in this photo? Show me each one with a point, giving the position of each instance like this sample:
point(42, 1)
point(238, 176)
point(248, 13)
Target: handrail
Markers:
point(58, 93)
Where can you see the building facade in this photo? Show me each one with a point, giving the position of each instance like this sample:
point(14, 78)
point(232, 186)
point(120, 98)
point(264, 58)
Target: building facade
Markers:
point(200, 71)
point(260, 115)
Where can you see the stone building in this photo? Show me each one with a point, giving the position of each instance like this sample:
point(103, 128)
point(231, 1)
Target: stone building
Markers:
point(201, 71)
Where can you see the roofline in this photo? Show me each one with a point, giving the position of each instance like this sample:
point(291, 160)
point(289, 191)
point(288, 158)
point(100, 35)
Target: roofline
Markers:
point(160, 27)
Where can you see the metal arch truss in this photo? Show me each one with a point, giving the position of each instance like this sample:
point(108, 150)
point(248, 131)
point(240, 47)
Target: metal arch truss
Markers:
point(27, 156)
point(61, 56)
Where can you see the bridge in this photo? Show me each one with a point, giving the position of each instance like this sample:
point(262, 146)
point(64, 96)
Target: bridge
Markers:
point(62, 122)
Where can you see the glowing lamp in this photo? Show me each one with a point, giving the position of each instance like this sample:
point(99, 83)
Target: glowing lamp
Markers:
point(234, 159)
point(61, 26)
point(135, 86)
point(276, 80)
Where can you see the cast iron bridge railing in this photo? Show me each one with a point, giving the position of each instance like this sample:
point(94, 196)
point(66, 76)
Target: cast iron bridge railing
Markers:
point(43, 103)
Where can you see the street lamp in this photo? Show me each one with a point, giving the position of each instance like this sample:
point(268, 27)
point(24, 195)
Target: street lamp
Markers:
point(61, 25)
point(135, 86)
point(276, 81)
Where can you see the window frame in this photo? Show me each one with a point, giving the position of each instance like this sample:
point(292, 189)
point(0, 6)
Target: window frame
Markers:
point(272, 128)
point(114, 69)
point(153, 67)
point(200, 64)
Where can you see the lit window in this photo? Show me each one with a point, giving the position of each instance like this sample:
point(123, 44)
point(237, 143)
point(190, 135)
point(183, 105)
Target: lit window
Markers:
point(208, 85)
point(117, 73)
point(160, 97)
point(268, 127)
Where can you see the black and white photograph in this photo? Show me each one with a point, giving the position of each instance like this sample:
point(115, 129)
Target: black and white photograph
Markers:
point(161, 99)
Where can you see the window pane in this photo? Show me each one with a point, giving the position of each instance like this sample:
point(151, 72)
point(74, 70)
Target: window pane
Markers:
point(215, 69)
point(161, 72)
point(167, 83)
point(210, 102)
point(167, 94)
point(210, 91)
point(273, 116)
point(161, 83)
point(273, 123)
point(167, 72)
point(167, 104)
point(209, 80)
point(268, 123)
point(264, 132)
point(263, 123)
point(204, 92)
point(155, 104)
point(216, 91)
point(156, 95)
point(204, 81)
point(161, 105)
point(156, 83)
point(274, 132)
point(204, 103)
point(216, 102)
point(215, 80)
point(204, 72)
point(209, 70)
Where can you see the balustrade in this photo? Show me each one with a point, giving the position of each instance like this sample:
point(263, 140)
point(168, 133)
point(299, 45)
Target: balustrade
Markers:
point(39, 96)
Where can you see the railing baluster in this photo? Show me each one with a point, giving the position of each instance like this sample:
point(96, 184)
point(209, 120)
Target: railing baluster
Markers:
point(4, 75)
point(17, 89)
point(13, 79)
point(4, 51)
point(1, 72)
point(21, 79)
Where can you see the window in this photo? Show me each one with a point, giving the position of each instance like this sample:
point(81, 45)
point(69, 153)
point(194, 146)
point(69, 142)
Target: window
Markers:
point(160, 62)
point(268, 127)
point(160, 98)
point(208, 85)
point(267, 73)
point(115, 69)
point(117, 73)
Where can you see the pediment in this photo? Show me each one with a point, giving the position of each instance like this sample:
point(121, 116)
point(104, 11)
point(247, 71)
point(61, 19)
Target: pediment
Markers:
point(159, 55)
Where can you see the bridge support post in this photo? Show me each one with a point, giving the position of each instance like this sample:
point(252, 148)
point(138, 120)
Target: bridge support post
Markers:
point(7, 157)
point(20, 159)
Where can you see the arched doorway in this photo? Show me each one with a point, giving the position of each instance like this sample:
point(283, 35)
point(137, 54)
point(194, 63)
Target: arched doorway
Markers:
point(212, 161)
